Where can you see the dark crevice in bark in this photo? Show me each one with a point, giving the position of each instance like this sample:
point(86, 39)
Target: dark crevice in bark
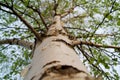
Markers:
point(33, 78)
point(53, 62)
point(61, 70)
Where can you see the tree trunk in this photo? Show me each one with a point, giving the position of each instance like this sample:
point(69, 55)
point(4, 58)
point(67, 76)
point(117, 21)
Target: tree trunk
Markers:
point(55, 59)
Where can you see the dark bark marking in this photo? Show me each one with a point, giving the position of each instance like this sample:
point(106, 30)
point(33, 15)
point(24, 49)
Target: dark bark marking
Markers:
point(64, 70)
point(44, 75)
point(32, 78)
point(51, 63)
point(31, 46)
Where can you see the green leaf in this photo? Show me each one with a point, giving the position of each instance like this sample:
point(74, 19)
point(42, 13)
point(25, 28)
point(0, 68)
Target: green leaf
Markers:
point(92, 60)
point(106, 58)
point(118, 23)
point(110, 17)
point(6, 76)
point(106, 66)
point(114, 63)
point(115, 59)
point(96, 10)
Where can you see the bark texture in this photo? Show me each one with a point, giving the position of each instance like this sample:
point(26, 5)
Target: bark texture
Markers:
point(55, 59)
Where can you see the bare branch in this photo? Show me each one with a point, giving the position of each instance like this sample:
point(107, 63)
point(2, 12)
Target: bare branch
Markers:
point(16, 41)
point(77, 42)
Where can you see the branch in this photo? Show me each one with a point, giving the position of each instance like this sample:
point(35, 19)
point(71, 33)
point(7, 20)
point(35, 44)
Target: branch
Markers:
point(76, 28)
point(74, 43)
point(55, 7)
point(87, 57)
point(22, 19)
point(108, 51)
point(94, 66)
point(80, 16)
point(6, 11)
point(103, 35)
point(95, 35)
point(32, 17)
point(15, 41)
point(3, 48)
point(68, 12)
point(39, 13)
point(97, 26)
point(27, 24)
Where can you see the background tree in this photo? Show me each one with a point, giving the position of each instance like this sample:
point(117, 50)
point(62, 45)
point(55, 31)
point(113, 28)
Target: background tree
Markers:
point(94, 23)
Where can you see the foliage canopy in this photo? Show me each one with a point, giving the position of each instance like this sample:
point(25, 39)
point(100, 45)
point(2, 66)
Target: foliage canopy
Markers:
point(96, 21)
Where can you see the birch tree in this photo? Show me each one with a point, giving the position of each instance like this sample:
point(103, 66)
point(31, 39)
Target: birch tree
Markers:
point(59, 39)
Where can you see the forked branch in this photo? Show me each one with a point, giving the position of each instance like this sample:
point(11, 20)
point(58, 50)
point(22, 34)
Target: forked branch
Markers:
point(16, 41)
point(40, 15)
point(22, 19)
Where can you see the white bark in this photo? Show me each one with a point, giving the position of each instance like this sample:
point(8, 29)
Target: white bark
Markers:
point(53, 53)
point(55, 59)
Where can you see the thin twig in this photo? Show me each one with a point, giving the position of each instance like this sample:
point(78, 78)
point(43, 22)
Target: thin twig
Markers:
point(98, 68)
point(84, 53)
point(6, 11)
point(4, 48)
point(22, 19)
point(97, 26)
point(40, 15)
